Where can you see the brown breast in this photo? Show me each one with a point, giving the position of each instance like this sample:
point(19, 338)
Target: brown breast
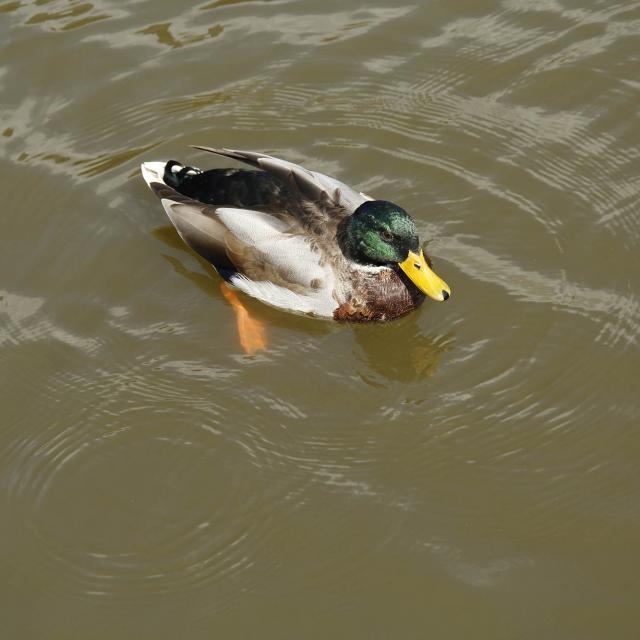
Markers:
point(378, 296)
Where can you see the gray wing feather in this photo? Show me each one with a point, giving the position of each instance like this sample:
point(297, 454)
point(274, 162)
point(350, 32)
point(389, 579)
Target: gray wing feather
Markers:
point(196, 223)
point(311, 185)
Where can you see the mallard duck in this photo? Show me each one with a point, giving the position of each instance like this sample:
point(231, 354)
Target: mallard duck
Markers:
point(297, 239)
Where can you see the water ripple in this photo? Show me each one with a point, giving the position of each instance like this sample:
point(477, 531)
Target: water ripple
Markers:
point(146, 460)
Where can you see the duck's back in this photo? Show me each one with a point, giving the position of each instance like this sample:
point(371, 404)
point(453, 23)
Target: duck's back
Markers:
point(242, 188)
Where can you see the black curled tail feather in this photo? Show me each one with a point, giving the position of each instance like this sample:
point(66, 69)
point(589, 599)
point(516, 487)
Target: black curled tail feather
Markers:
point(175, 173)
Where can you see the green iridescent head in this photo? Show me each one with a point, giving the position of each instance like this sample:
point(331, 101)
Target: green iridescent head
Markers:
point(380, 233)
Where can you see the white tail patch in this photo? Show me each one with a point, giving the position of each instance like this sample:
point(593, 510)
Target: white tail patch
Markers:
point(320, 303)
point(153, 172)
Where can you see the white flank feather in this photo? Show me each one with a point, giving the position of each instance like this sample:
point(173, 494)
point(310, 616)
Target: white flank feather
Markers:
point(249, 226)
point(319, 303)
point(291, 255)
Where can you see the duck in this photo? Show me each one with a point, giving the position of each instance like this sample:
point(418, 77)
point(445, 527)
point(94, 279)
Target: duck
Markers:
point(297, 239)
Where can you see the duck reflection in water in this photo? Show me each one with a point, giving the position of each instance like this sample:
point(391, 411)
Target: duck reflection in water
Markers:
point(399, 350)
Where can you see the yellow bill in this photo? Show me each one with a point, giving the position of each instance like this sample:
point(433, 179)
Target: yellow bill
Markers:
point(419, 272)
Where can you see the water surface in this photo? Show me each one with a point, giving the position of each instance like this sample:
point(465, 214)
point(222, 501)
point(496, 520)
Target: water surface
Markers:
point(468, 471)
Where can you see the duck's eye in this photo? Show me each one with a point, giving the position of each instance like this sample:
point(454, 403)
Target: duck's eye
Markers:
point(387, 236)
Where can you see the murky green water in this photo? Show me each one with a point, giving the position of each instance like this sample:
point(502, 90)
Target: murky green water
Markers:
point(470, 471)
